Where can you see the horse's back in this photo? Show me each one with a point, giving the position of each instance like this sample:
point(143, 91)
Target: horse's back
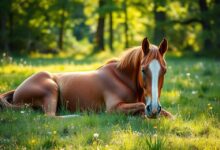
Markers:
point(80, 90)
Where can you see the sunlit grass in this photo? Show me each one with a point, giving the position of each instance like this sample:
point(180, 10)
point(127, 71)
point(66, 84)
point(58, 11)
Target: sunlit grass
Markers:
point(191, 93)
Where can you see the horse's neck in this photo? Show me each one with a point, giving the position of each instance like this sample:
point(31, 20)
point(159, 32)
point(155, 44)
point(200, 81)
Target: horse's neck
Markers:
point(128, 76)
point(135, 77)
point(132, 74)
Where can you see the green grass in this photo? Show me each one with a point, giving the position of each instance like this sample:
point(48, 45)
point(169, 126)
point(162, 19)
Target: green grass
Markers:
point(191, 92)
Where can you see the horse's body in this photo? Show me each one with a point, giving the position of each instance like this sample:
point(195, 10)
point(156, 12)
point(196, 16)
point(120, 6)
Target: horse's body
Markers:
point(116, 86)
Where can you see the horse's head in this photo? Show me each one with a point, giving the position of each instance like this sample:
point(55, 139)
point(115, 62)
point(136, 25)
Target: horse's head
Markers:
point(153, 69)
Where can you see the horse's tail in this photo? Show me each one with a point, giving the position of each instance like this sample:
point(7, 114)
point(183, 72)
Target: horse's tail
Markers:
point(6, 99)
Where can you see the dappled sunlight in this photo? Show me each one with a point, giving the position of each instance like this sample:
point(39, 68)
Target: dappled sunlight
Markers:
point(193, 142)
point(123, 139)
point(39, 55)
point(16, 69)
point(171, 96)
point(69, 68)
point(29, 69)
point(186, 83)
point(106, 55)
point(4, 87)
point(191, 130)
point(199, 66)
point(175, 53)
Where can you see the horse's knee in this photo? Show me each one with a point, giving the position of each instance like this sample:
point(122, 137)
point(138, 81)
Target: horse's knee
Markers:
point(141, 105)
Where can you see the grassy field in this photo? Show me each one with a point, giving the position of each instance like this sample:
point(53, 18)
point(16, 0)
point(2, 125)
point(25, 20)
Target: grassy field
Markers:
point(191, 92)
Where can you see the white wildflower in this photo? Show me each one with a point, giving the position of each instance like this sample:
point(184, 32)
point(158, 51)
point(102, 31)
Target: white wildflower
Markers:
point(96, 135)
point(187, 74)
point(194, 92)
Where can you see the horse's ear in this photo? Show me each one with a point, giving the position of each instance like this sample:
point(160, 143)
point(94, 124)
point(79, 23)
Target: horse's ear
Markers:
point(163, 46)
point(145, 46)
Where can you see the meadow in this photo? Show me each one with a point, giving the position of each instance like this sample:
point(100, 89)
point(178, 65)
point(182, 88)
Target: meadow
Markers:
point(191, 92)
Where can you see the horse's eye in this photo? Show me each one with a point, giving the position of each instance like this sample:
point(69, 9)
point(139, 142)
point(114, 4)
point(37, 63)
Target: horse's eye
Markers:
point(143, 71)
point(164, 71)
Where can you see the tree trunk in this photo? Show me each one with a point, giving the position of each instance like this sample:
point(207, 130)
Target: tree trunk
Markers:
point(3, 33)
point(205, 25)
point(11, 30)
point(99, 37)
point(217, 24)
point(60, 39)
point(160, 18)
point(126, 24)
point(111, 31)
point(61, 29)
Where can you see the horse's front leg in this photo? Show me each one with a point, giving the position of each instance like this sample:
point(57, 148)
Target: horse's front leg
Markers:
point(128, 108)
point(166, 114)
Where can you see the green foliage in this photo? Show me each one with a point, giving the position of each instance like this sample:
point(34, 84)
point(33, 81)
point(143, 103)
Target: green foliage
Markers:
point(31, 25)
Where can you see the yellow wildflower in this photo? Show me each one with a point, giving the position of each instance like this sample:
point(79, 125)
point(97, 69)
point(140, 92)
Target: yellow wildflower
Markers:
point(54, 132)
point(33, 141)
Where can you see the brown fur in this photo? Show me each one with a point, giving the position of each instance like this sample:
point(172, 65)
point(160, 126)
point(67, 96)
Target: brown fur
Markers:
point(116, 86)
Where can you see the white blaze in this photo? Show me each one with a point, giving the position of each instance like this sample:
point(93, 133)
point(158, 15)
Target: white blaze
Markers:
point(155, 69)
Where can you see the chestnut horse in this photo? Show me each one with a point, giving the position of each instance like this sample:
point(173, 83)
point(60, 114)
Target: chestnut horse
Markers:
point(131, 85)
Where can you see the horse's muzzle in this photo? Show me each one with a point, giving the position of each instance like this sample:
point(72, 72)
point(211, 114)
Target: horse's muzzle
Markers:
point(152, 112)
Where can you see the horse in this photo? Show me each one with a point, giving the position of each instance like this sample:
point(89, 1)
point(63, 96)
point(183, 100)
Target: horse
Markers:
point(130, 85)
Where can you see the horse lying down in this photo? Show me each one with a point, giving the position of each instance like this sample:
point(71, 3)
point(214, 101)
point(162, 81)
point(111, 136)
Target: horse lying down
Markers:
point(131, 85)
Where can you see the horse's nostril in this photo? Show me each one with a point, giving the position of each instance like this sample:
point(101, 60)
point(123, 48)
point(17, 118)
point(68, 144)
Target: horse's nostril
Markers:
point(159, 109)
point(149, 108)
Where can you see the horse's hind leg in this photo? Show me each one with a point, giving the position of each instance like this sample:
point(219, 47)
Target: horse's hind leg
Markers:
point(39, 90)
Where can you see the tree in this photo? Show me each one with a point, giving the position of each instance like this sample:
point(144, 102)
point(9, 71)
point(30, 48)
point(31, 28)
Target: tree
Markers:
point(31, 25)
point(126, 23)
point(216, 14)
point(111, 36)
point(205, 22)
point(62, 10)
point(204, 13)
point(99, 37)
point(160, 19)
point(5, 16)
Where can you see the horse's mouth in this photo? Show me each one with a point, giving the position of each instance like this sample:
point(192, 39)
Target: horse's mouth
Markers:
point(152, 116)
